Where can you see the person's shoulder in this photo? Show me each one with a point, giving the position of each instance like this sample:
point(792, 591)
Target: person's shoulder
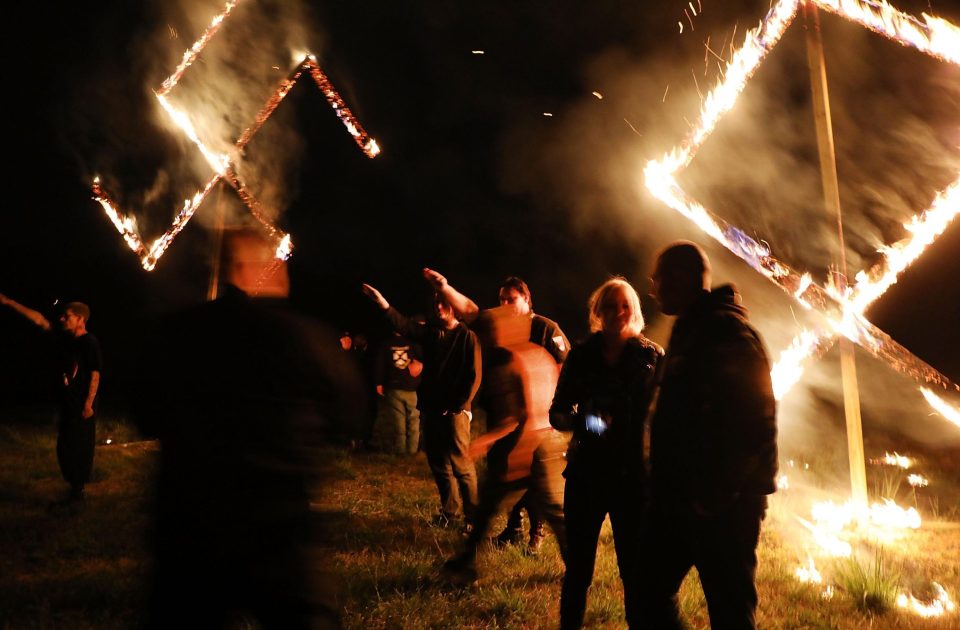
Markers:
point(649, 346)
point(539, 320)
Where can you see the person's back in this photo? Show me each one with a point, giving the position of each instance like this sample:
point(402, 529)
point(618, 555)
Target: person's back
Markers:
point(240, 393)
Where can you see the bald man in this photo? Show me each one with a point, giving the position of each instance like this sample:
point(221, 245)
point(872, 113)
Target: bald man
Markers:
point(713, 449)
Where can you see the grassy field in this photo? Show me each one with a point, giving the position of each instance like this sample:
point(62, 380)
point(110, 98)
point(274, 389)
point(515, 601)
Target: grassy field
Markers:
point(87, 568)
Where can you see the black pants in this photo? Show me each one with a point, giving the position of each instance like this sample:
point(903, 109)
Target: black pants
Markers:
point(723, 548)
point(446, 440)
point(76, 440)
point(588, 499)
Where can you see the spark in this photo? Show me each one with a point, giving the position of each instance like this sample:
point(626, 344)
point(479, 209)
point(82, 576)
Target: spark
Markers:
point(598, 95)
point(477, 52)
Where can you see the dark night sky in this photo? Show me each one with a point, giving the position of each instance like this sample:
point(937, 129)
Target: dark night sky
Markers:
point(474, 180)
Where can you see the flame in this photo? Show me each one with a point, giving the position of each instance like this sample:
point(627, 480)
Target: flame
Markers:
point(788, 369)
point(941, 605)
point(191, 53)
point(808, 574)
point(945, 410)
point(896, 459)
point(834, 523)
point(367, 144)
point(783, 483)
point(918, 481)
point(285, 248)
point(843, 311)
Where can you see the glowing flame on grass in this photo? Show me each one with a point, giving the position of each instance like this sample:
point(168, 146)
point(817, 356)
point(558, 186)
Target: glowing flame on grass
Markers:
point(808, 574)
point(220, 163)
point(945, 410)
point(783, 482)
point(940, 606)
point(918, 481)
point(834, 525)
point(898, 460)
point(844, 312)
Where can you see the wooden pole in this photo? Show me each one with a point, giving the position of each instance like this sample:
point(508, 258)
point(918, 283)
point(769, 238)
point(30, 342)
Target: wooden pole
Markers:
point(831, 194)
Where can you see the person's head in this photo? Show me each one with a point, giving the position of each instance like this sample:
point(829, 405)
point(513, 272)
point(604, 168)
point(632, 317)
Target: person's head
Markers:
point(502, 327)
point(443, 311)
point(346, 341)
point(251, 263)
point(74, 318)
point(615, 309)
point(682, 273)
point(515, 292)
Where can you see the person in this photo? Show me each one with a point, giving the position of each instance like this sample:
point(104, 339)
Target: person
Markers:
point(81, 364)
point(544, 332)
point(451, 377)
point(603, 396)
point(525, 453)
point(398, 371)
point(713, 450)
point(243, 393)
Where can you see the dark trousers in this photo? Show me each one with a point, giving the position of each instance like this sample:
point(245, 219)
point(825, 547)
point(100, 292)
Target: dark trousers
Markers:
point(515, 519)
point(446, 440)
point(542, 489)
point(723, 548)
point(76, 442)
point(591, 495)
point(397, 428)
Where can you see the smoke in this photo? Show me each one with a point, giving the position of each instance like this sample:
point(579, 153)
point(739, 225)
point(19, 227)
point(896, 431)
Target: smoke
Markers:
point(895, 114)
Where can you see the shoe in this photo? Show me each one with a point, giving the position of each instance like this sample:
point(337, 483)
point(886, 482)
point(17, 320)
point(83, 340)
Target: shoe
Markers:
point(537, 534)
point(460, 571)
point(508, 536)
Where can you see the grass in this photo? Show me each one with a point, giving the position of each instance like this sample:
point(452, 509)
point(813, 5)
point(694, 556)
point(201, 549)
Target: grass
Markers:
point(872, 586)
point(88, 568)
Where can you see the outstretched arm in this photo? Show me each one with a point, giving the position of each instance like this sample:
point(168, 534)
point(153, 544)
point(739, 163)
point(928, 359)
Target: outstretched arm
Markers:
point(465, 308)
point(34, 316)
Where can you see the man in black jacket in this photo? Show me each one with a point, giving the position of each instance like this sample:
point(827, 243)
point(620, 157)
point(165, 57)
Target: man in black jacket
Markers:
point(451, 377)
point(713, 449)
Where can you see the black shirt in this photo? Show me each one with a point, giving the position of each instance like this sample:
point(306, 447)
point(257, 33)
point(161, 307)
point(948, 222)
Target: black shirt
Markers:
point(80, 357)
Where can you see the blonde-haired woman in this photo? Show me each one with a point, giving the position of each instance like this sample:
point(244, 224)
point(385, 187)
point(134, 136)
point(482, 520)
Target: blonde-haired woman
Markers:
point(602, 396)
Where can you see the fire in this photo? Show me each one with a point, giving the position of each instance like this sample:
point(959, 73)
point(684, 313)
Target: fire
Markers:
point(896, 459)
point(783, 483)
point(918, 481)
point(788, 369)
point(941, 605)
point(808, 574)
point(843, 311)
point(220, 163)
point(945, 410)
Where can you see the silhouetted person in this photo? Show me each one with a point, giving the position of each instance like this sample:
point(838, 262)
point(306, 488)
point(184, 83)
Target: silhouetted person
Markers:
point(603, 396)
point(451, 376)
point(242, 394)
point(525, 454)
point(80, 366)
point(544, 332)
point(713, 449)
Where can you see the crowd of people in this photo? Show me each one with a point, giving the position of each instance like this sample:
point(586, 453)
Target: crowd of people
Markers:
point(676, 446)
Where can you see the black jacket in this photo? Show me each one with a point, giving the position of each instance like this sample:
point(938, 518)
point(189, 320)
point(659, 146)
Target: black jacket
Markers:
point(714, 432)
point(451, 363)
point(619, 394)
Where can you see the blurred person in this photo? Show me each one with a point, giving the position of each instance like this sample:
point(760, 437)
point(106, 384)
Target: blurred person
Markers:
point(242, 393)
point(81, 364)
point(544, 332)
point(451, 377)
point(398, 371)
point(713, 449)
point(525, 454)
point(603, 396)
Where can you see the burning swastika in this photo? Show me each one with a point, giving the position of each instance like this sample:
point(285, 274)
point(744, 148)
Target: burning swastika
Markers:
point(224, 171)
point(842, 310)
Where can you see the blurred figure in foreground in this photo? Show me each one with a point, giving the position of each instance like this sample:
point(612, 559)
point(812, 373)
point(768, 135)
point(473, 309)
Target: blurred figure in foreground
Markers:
point(80, 367)
point(241, 394)
point(603, 396)
point(544, 332)
point(713, 449)
point(525, 453)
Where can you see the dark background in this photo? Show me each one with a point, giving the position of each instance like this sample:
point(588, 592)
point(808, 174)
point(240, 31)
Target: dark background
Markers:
point(474, 180)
